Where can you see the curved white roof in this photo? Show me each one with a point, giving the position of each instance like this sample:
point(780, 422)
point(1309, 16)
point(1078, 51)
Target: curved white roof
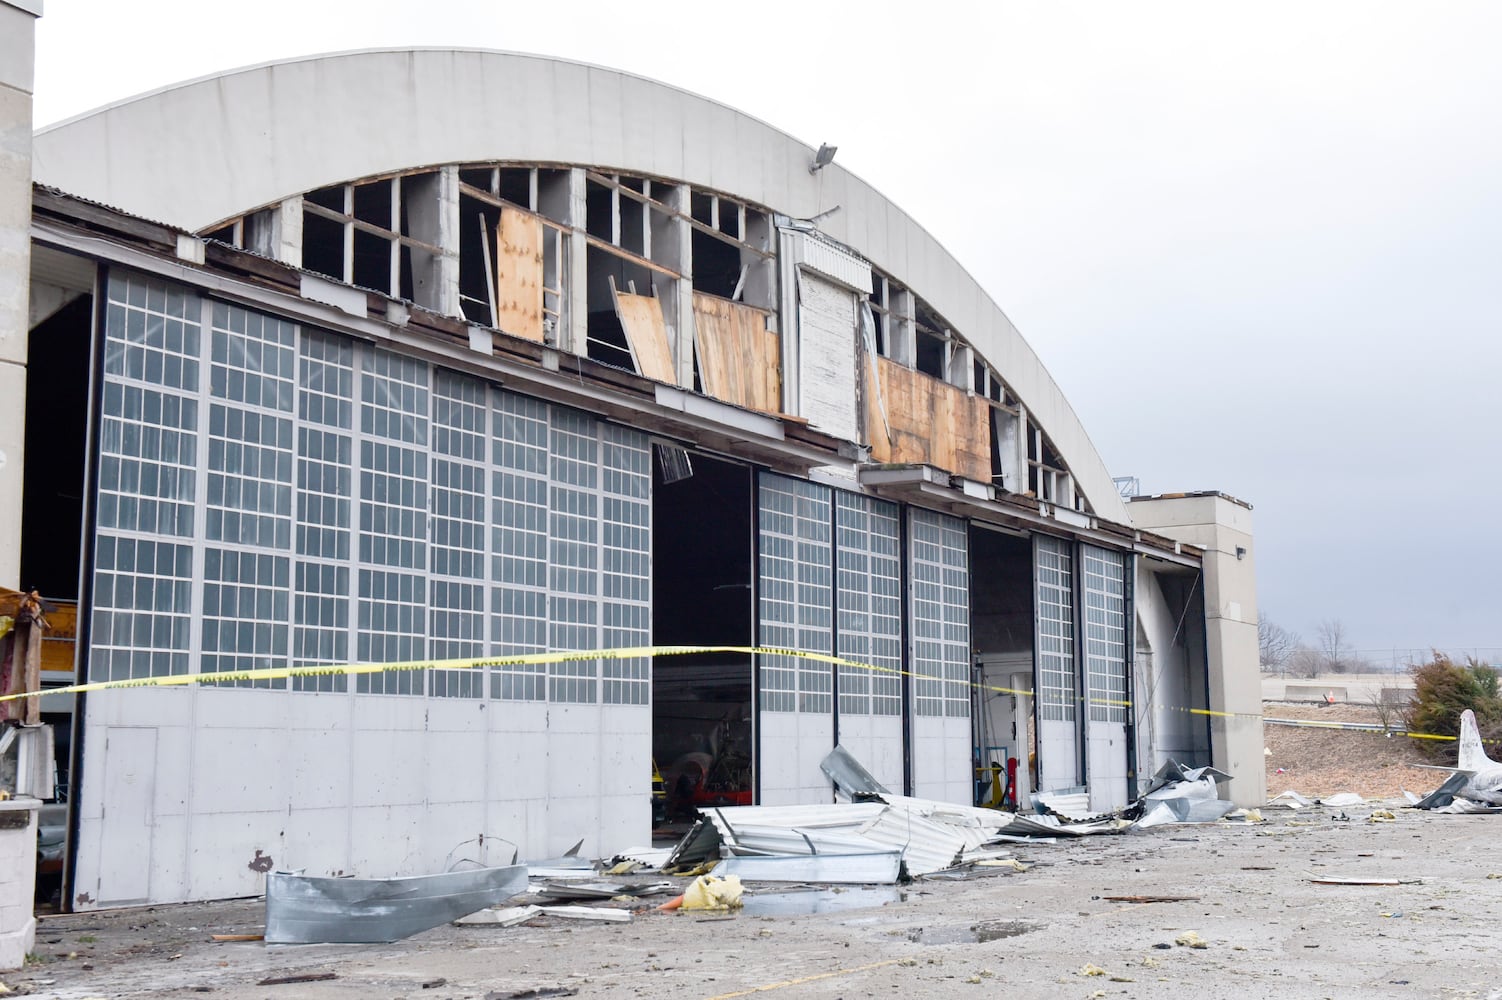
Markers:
point(198, 152)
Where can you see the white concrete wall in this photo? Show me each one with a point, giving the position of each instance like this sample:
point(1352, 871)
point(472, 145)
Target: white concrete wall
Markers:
point(876, 741)
point(792, 745)
point(18, 865)
point(226, 144)
point(199, 784)
point(17, 48)
point(1221, 527)
point(942, 766)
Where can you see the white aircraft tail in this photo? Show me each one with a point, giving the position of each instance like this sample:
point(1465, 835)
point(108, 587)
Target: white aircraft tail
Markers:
point(1472, 754)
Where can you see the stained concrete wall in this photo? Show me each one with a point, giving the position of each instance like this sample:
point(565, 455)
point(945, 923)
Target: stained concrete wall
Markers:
point(17, 48)
point(1223, 528)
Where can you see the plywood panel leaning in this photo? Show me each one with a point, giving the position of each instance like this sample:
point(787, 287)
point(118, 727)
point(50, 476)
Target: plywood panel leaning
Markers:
point(740, 360)
point(927, 422)
point(647, 333)
point(518, 273)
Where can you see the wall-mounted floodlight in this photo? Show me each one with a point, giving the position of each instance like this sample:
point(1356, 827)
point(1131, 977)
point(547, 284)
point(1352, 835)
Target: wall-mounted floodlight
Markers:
point(823, 158)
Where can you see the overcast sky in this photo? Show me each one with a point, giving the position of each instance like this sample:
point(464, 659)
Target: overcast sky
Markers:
point(1257, 244)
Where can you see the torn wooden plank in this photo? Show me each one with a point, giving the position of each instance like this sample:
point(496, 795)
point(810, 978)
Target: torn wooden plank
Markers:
point(740, 360)
point(1152, 899)
point(518, 275)
point(237, 937)
point(646, 333)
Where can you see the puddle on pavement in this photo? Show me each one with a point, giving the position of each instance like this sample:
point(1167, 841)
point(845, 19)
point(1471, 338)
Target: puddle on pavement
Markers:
point(986, 930)
point(793, 904)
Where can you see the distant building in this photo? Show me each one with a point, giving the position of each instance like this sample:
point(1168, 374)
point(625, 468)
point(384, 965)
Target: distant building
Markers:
point(411, 355)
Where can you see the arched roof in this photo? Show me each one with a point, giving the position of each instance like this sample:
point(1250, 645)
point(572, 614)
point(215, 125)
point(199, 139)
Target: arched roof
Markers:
point(195, 153)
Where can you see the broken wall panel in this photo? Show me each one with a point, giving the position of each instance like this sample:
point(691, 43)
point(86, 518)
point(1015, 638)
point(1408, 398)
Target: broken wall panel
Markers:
point(740, 360)
point(519, 275)
point(827, 355)
point(647, 334)
point(920, 420)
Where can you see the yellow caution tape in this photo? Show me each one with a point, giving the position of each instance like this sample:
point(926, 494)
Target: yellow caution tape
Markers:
point(575, 656)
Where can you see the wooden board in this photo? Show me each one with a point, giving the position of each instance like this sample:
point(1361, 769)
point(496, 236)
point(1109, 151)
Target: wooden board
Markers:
point(647, 333)
point(740, 360)
point(928, 422)
point(518, 274)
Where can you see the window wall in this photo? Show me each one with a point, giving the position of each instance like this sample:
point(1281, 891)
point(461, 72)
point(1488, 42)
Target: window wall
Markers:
point(274, 495)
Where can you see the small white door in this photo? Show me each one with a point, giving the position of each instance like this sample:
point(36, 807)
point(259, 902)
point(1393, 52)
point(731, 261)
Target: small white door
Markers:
point(129, 815)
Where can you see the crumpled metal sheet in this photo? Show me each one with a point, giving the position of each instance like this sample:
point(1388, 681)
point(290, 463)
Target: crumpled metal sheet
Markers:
point(303, 909)
point(849, 775)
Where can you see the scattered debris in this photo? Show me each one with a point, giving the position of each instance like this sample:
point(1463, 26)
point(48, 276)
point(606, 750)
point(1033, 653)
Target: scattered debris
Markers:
point(1179, 794)
point(433, 984)
point(1341, 800)
point(1290, 800)
point(1382, 816)
point(303, 909)
point(1190, 939)
point(302, 977)
point(1476, 785)
point(1335, 880)
point(1093, 970)
point(1152, 899)
point(237, 937)
point(536, 993)
point(708, 892)
point(507, 916)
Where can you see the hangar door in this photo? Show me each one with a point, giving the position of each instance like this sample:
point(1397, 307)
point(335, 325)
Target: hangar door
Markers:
point(1104, 587)
point(939, 577)
point(795, 720)
point(868, 596)
point(1057, 688)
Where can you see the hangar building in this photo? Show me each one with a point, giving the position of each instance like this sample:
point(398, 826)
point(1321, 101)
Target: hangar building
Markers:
point(425, 354)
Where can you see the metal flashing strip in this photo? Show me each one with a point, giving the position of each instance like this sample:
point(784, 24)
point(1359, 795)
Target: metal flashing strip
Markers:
point(925, 483)
point(877, 868)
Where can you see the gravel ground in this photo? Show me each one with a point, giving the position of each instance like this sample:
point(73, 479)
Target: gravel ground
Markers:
point(1269, 931)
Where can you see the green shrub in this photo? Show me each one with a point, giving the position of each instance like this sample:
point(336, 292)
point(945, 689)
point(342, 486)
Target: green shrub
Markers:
point(1442, 690)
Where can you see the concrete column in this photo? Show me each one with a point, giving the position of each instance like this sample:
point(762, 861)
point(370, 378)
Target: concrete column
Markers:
point(574, 337)
point(1222, 526)
point(17, 56)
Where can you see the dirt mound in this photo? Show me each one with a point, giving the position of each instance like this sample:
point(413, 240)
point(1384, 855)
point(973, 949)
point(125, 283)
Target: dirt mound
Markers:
point(1317, 762)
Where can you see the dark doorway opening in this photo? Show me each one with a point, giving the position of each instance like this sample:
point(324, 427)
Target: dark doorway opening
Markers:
point(1002, 630)
point(702, 595)
point(52, 504)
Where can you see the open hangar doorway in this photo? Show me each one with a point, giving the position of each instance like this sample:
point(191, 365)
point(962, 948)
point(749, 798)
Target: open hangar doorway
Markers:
point(702, 595)
point(60, 355)
point(1002, 630)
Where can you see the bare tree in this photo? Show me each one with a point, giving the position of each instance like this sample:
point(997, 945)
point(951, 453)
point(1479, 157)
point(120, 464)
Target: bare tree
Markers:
point(1304, 662)
point(1331, 636)
point(1275, 644)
